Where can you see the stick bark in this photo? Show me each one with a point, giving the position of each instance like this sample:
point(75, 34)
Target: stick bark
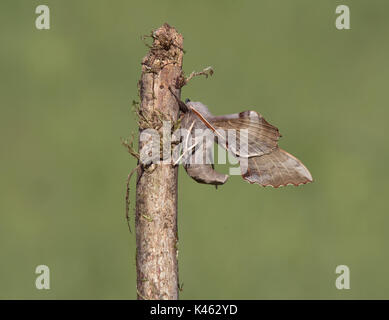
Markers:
point(156, 189)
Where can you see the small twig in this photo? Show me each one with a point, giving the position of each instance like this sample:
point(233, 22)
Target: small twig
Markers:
point(140, 295)
point(129, 144)
point(208, 71)
point(148, 218)
point(128, 196)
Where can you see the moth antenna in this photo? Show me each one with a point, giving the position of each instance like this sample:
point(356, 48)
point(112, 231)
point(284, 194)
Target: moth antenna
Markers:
point(207, 123)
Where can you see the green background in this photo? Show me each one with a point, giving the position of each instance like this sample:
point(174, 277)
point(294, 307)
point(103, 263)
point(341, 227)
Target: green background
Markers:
point(66, 101)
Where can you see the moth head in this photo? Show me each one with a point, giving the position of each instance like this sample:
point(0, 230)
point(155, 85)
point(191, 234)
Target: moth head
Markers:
point(198, 106)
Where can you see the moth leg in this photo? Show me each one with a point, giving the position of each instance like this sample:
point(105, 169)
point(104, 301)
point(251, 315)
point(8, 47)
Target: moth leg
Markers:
point(186, 152)
point(186, 149)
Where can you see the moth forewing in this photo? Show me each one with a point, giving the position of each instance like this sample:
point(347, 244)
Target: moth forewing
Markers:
point(262, 137)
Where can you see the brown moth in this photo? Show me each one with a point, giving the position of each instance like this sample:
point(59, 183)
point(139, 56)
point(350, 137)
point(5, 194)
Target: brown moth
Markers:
point(266, 164)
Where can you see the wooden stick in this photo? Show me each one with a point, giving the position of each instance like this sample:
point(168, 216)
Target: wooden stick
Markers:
point(156, 190)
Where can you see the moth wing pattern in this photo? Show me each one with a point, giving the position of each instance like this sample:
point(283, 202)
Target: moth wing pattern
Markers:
point(276, 169)
point(261, 160)
point(204, 172)
point(262, 137)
